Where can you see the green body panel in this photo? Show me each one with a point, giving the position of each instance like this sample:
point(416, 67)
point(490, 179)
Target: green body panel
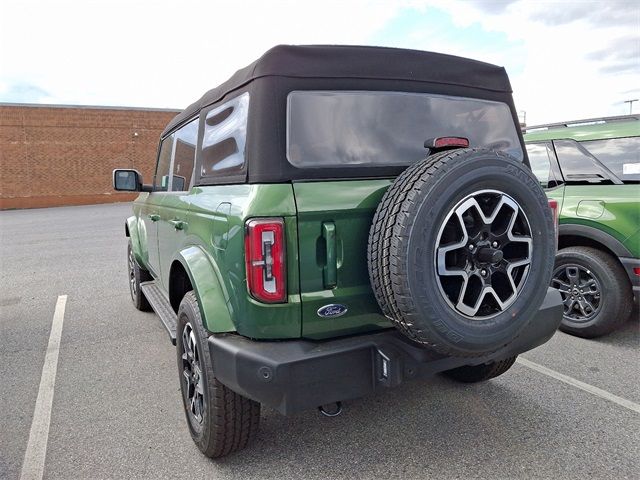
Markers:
point(173, 208)
point(614, 209)
point(209, 243)
point(140, 254)
point(334, 218)
point(596, 131)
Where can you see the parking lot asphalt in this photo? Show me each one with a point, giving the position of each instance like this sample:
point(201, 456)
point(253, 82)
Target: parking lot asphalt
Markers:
point(117, 412)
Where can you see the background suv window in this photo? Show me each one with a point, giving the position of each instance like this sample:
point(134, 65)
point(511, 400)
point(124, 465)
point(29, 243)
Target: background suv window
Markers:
point(579, 166)
point(620, 155)
point(539, 158)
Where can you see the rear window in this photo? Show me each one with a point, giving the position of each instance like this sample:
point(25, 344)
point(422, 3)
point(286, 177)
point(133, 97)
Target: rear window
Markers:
point(334, 129)
point(620, 155)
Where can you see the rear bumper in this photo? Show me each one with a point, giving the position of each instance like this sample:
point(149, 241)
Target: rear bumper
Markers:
point(295, 375)
point(629, 264)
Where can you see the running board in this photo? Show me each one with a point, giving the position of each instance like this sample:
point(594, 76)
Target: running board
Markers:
point(162, 307)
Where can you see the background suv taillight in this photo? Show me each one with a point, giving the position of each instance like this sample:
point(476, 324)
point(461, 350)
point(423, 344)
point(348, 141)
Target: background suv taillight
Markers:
point(553, 204)
point(265, 259)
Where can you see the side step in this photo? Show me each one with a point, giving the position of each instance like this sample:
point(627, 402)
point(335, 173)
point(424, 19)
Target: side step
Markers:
point(162, 307)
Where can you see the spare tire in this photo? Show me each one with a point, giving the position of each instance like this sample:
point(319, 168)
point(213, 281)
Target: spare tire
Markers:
point(461, 251)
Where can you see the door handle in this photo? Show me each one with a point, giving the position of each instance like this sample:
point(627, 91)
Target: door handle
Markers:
point(330, 270)
point(178, 224)
point(154, 217)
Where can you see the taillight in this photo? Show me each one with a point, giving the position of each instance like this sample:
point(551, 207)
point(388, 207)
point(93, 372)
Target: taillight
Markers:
point(553, 204)
point(265, 259)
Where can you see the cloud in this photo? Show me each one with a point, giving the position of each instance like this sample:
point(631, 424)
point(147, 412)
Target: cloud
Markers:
point(597, 12)
point(566, 60)
point(621, 55)
point(24, 93)
point(492, 6)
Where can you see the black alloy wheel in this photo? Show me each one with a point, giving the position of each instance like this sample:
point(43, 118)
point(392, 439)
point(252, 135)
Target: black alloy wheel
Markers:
point(595, 289)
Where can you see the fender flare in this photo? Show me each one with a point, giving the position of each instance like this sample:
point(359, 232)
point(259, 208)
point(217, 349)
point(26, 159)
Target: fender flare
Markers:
point(204, 279)
point(596, 235)
point(131, 231)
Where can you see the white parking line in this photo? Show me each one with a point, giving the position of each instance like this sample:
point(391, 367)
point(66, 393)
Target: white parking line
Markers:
point(598, 392)
point(33, 464)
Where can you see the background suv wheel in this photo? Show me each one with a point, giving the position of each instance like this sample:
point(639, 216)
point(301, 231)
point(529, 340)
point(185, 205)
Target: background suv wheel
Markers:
point(595, 291)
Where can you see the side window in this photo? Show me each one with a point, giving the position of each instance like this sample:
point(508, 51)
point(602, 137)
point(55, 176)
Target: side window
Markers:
point(578, 165)
point(225, 134)
point(540, 164)
point(620, 155)
point(161, 178)
point(184, 156)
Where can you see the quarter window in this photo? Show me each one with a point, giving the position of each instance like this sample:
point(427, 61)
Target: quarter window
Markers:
point(225, 134)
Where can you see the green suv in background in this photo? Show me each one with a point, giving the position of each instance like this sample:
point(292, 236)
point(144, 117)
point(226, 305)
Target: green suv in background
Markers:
point(336, 220)
point(592, 169)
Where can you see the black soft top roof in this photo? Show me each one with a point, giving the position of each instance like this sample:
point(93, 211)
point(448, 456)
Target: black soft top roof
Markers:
point(336, 61)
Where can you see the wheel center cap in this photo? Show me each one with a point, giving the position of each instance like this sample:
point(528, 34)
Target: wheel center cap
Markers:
point(490, 255)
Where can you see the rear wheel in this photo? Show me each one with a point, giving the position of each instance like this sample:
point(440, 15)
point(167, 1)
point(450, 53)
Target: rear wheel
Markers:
point(480, 373)
point(220, 421)
point(595, 290)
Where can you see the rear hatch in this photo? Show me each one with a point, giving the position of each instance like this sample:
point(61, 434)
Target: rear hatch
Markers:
point(333, 228)
point(338, 134)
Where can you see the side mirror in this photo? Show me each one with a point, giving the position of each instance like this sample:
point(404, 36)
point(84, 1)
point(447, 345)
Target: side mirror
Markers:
point(125, 180)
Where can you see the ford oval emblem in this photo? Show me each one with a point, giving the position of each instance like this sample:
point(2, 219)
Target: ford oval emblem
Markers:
point(331, 311)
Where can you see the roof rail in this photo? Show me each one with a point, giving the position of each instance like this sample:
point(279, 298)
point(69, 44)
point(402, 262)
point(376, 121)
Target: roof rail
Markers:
point(581, 123)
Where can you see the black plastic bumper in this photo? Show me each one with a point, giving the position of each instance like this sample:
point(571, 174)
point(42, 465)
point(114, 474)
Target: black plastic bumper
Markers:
point(295, 375)
point(629, 264)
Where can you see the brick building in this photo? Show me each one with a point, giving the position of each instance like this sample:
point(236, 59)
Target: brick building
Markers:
point(64, 155)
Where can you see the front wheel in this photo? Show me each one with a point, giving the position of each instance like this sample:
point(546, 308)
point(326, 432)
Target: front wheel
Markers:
point(137, 275)
point(595, 290)
point(220, 421)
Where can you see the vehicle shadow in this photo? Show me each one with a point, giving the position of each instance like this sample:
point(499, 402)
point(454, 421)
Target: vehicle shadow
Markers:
point(435, 427)
point(627, 336)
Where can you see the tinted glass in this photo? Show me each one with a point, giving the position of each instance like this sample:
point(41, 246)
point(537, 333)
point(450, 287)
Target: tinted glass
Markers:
point(225, 133)
point(578, 165)
point(620, 155)
point(184, 156)
point(161, 179)
point(388, 128)
point(540, 163)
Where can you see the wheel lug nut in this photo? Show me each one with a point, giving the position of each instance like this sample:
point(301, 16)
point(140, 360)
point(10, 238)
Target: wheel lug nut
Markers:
point(471, 247)
point(483, 272)
point(494, 244)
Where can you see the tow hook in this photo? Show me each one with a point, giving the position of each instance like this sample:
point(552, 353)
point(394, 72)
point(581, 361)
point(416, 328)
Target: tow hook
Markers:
point(332, 412)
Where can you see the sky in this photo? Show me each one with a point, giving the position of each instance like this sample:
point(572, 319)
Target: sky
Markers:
point(567, 60)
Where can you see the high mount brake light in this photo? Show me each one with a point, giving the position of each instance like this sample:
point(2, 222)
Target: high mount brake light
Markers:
point(445, 143)
point(553, 204)
point(265, 259)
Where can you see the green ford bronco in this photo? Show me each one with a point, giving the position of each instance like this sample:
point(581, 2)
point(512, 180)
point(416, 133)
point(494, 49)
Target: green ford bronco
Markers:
point(335, 220)
point(592, 169)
